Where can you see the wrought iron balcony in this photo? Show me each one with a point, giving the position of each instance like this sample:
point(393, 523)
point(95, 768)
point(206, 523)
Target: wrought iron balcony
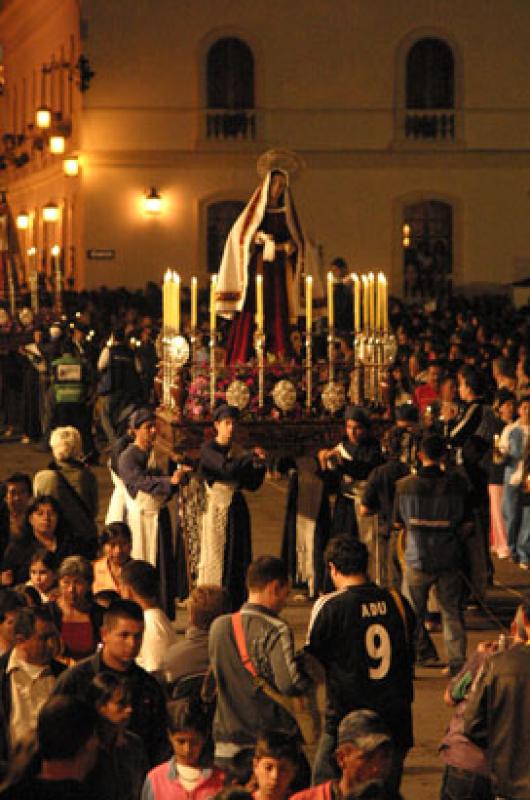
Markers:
point(225, 124)
point(429, 124)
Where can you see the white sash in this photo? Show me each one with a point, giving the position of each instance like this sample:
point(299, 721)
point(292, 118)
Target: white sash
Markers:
point(142, 516)
point(213, 535)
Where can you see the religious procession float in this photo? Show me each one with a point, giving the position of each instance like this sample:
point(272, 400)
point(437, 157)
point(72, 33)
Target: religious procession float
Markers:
point(269, 286)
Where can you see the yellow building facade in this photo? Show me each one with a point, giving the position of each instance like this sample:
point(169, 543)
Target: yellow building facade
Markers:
point(395, 112)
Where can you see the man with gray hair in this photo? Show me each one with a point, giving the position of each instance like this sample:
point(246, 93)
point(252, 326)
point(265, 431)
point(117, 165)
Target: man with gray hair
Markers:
point(364, 756)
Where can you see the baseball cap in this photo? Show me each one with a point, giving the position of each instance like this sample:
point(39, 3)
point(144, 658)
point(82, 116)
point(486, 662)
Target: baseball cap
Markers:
point(365, 729)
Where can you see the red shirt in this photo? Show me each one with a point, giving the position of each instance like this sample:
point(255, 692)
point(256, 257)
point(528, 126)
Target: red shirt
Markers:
point(424, 396)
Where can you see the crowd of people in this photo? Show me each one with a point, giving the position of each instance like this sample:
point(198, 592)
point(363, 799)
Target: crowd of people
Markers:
point(99, 696)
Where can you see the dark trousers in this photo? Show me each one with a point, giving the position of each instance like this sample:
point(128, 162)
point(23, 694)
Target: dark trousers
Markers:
point(461, 784)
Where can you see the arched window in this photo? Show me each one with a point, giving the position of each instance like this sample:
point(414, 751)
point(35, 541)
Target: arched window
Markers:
point(230, 90)
point(427, 249)
point(220, 217)
point(430, 90)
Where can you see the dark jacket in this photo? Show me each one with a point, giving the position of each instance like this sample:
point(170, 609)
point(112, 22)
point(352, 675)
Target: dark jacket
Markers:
point(242, 709)
point(496, 719)
point(148, 718)
point(432, 506)
point(380, 488)
point(343, 629)
point(6, 701)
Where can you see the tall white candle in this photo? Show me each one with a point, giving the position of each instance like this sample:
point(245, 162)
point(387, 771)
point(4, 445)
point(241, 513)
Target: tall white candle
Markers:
point(371, 298)
point(356, 302)
point(166, 299)
point(176, 307)
point(213, 303)
point(331, 300)
point(308, 303)
point(366, 302)
point(193, 321)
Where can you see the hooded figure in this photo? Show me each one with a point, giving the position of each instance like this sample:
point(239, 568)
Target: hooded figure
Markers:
point(266, 239)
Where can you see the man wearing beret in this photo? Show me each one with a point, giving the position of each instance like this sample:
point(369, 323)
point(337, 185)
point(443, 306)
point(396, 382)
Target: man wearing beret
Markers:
point(345, 468)
point(226, 548)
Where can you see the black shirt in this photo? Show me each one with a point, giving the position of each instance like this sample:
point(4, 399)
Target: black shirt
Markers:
point(360, 638)
point(218, 464)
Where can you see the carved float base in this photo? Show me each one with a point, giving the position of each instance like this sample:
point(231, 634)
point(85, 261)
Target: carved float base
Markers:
point(293, 438)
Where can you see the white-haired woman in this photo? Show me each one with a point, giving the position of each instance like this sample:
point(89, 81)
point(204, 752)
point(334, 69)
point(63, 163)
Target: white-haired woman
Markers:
point(73, 484)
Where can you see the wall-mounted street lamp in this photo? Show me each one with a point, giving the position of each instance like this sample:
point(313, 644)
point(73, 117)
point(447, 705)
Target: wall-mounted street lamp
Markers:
point(23, 221)
point(71, 166)
point(57, 144)
point(50, 212)
point(152, 202)
point(43, 117)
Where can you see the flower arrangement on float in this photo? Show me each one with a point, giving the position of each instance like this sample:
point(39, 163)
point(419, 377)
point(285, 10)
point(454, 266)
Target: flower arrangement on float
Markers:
point(284, 395)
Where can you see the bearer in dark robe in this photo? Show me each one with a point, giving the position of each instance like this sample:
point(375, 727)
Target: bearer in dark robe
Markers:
point(226, 547)
point(345, 469)
point(307, 524)
point(146, 498)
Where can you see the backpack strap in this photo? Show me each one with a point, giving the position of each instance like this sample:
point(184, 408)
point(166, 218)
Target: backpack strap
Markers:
point(237, 626)
point(401, 608)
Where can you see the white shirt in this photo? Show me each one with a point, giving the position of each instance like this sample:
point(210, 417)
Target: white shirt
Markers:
point(31, 686)
point(158, 637)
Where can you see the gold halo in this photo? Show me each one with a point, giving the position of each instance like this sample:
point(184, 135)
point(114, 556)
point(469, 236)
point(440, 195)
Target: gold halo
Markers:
point(286, 160)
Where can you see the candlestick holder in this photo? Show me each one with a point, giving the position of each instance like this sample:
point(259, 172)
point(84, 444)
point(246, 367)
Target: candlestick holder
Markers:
point(331, 354)
point(193, 347)
point(175, 353)
point(259, 346)
point(356, 380)
point(309, 370)
point(213, 368)
point(376, 350)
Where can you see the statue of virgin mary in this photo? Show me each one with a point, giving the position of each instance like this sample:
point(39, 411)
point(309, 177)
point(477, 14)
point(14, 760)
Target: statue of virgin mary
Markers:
point(266, 239)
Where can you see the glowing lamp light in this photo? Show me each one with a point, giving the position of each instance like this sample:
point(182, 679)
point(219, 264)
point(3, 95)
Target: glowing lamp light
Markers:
point(55, 250)
point(406, 241)
point(71, 166)
point(57, 144)
point(152, 202)
point(43, 117)
point(23, 221)
point(406, 231)
point(50, 212)
point(32, 251)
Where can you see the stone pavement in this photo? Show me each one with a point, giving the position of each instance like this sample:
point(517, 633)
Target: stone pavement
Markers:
point(423, 767)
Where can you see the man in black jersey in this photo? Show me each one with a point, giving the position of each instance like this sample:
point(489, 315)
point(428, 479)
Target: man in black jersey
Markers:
point(362, 636)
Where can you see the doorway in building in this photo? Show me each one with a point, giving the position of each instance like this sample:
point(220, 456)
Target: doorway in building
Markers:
point(427, 250)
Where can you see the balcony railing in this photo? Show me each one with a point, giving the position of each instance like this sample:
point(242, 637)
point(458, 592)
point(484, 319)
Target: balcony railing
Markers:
point(430, 125)
point(224, 124)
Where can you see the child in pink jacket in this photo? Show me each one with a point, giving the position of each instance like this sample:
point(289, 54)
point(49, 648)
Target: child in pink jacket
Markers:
point(184, 777)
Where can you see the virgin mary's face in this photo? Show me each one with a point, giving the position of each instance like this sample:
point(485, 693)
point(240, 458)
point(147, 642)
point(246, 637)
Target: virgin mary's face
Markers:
point(276, 188)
